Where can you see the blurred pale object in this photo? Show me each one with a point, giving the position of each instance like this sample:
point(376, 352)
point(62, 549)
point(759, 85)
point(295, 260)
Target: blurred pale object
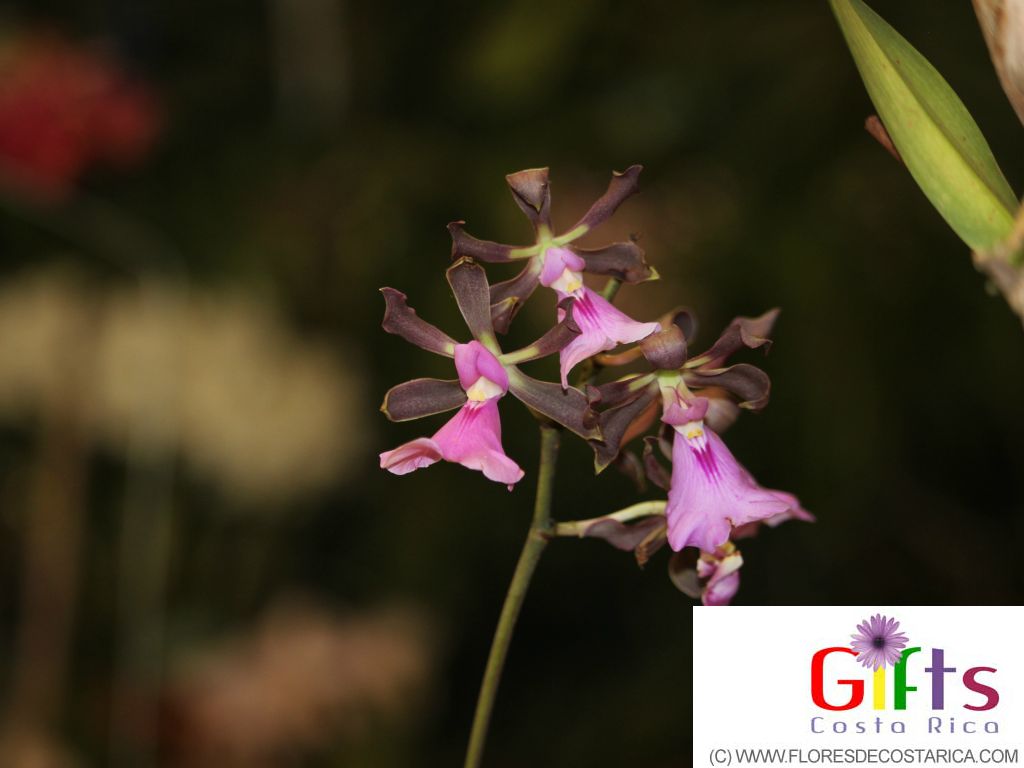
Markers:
point(299, 681)
point(263, 412)
point(44, 322)
point(23, 748)
point(1002, 23)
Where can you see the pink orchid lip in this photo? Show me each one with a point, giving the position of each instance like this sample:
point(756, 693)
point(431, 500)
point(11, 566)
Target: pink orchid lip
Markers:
point(711, 494)
point(472, 438)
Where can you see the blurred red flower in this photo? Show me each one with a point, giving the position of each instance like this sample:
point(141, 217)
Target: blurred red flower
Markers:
point(65, 108)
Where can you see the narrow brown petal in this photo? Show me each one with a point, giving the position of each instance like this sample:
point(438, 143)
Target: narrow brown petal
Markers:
point(422, 397)
point(749, 332)
point(620, 187)
point(682, 570)
point(552, 341)
point(464, 244)
point(402, 320)
point(643, 422)
point(684, 318)
point(568, 407)
point(666, 349)
point(615, 393)
point(629, 464)
point(608, 360)
point(654, 541)
point(747, 382)
point(614, 424)
point(532, 193)
point(656, 473)
point(508, 297)
point(722, 409)
point(664, 440)
point(624, 536)
point(473, 295)
point(623, 261)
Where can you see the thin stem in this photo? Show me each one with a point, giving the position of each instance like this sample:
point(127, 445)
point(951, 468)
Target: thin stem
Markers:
point(611, 288)
point(536, 540)
point(579, 528)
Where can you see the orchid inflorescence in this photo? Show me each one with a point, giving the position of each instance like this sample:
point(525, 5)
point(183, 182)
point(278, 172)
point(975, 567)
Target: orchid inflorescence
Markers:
point(711, 499)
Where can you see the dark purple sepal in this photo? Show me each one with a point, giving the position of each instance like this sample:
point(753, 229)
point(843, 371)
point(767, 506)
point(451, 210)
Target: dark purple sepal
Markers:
point(568, 407)
point(684, 319)
point(749, 332)
point(623, 261)
point(615, 422)
point(626, 537)
point(620, 187)
point(629, 464)
point(402, 320)
point(682, 571)
point(614, 393)
point(722, 409)
point(422, 397)
point(532, 193)
point(551, 342)
point(469, 284)
point(508, 296)
point(464, 244)
point(666, 349)
point(655, 540)
point(656, 472)
point(630, 355)
point(747, 382)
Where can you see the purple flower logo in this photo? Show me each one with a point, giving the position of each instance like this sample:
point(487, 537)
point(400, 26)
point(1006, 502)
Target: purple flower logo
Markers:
point(877, 642)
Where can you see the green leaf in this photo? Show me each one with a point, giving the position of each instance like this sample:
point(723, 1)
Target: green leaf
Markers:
point(933, 131)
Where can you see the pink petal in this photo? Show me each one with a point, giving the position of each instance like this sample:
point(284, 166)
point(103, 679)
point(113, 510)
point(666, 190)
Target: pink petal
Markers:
point(602, 327)
point(556, 261)
point(472, 438)
point(679, 412)
point(474, 360)
point(794, 512)
point(721, 590)
point(711, 493)
point(421, 452)
point(721, 578)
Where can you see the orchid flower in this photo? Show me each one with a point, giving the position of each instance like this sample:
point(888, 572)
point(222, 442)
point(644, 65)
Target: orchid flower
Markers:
point(630, 404)
point(713, 577)
point(710, 492)
point(554, 262)
point(485, 374)
point(712, 500)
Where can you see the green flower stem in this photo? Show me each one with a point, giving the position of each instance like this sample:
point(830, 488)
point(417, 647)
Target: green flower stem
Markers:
point(579, 528)
point(536, 540)
point(611, 288)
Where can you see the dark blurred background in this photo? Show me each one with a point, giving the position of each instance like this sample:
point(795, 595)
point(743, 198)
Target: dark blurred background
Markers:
point(200, 562)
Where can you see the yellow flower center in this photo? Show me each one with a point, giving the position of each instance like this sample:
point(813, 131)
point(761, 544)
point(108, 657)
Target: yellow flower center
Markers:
point(483, 389)
point(568, 282)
